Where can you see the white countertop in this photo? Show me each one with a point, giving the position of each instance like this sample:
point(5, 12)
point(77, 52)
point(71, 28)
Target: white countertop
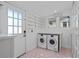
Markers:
point(6, 37)
point(51, 32)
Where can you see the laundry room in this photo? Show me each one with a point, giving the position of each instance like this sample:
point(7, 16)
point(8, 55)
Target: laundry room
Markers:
point(39, 29)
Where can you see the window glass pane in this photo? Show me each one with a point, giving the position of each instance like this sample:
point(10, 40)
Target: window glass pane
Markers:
point(64, 24)
point(10, 29)
point(15, 30)
point(20, 22)
point(20, 16)
point(10, 21)
point(20, 29)
point(15, 22)
point(10, 13)
point(15, 14)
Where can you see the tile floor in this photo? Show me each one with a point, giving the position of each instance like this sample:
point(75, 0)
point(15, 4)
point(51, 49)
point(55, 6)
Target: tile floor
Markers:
point(45, 53)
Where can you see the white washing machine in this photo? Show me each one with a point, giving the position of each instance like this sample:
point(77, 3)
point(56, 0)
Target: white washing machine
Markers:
point(53, 42)
point(41, 40)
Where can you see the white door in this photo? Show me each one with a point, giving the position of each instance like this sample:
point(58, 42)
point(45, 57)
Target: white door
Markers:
point(19, 41)
point(31, 41)
point(19, 45)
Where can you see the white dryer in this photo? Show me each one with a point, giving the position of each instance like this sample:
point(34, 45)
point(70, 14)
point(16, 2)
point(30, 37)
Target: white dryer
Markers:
point(41, 41)
point(53, 42)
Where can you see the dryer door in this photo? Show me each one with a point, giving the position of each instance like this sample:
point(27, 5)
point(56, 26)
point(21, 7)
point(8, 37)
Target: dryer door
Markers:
point(42, 40)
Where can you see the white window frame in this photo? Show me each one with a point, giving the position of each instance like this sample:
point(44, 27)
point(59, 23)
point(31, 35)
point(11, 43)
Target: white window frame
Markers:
point(13, 33)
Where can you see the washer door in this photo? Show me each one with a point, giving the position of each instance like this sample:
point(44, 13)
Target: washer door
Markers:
point(52, 42)
point(42, 40)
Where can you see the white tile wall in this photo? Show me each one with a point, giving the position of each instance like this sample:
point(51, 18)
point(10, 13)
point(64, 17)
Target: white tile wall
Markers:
point(33, 23)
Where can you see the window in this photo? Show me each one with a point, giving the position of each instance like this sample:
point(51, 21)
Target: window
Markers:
point(14, 22)
point(64, 24)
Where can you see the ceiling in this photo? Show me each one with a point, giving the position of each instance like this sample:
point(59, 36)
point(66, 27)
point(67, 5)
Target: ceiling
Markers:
point(43, 8)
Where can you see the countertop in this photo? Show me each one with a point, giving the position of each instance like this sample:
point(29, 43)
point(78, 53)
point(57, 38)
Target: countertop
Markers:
point(6, 37)
point(50, 33)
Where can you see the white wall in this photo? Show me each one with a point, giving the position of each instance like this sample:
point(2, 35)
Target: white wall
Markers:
point(0, 18)
point(75, 36)
point(3, 20)
point(32, 23)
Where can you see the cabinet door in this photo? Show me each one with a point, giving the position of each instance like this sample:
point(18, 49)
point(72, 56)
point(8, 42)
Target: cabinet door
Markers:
point(19, 45)
point(78, 46)
point(74, 45)
point(4, 48)
point(66, 40)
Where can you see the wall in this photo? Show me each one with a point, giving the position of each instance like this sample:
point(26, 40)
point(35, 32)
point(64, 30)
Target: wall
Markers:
point(32, 24)
point(3, 20)
point(75, 36)
point(0, 18)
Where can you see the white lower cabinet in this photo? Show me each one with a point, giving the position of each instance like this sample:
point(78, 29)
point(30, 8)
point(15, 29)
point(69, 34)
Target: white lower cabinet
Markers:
point(75, 45)
point(4, 48)
point(12, 46)
point(78, 46)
